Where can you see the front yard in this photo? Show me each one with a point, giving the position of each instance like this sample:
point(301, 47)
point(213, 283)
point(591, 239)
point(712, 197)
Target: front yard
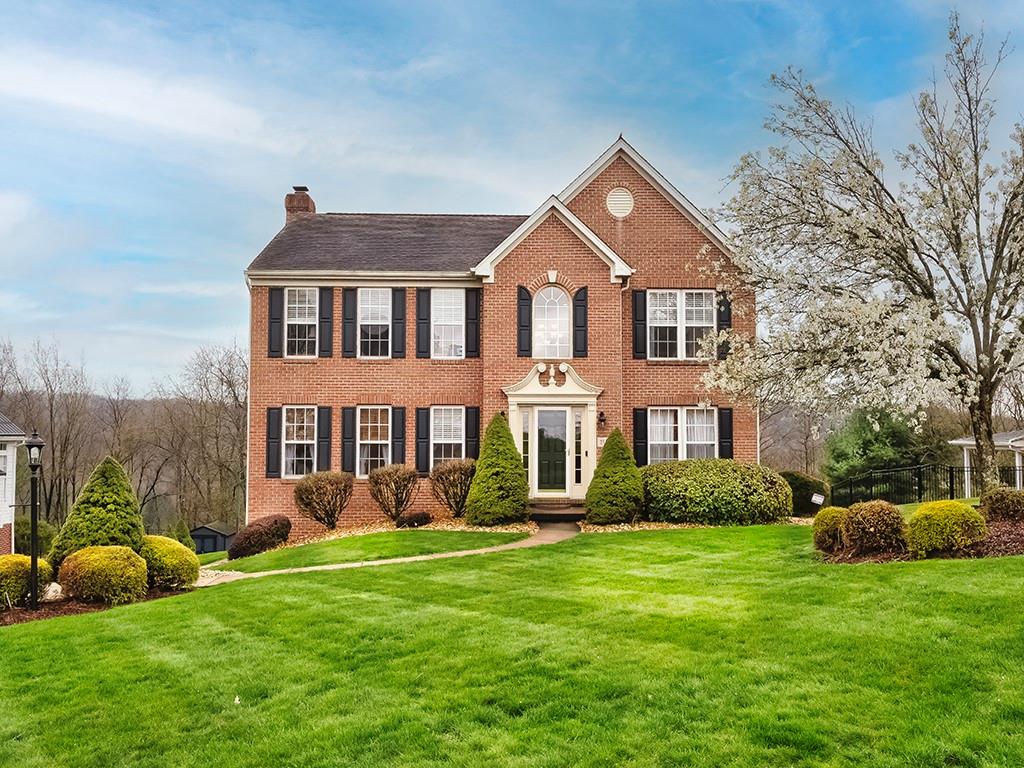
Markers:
point(728, 646)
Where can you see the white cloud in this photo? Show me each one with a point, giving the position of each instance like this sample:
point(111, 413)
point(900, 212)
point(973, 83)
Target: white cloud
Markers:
point(15, 207)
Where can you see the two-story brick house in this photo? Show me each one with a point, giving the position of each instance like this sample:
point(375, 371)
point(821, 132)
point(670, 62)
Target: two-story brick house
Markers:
point(394, 338)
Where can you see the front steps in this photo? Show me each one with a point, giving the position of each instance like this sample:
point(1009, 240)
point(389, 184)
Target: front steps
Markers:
point(556, 511)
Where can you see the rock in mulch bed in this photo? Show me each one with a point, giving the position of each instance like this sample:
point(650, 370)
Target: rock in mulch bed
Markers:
point(66, 608)
point(1004, 538)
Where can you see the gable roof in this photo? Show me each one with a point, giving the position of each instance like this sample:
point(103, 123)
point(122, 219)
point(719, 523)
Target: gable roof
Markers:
point(384, 242)
point(619, 268)
point(9, 429)
point(622, 148)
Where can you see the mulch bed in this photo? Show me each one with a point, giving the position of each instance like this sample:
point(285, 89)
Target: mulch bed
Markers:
point(66, 608)
point(1004, 538)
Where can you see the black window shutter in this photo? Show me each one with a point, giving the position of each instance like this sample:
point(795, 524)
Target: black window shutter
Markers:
point(524, 333)
point(472, 322)
point(724, 322)
point(579, 323)
point(725, 433)
point(349, 307)
point(640, 436)
point(398, 435)
point(472, 432)
point(422, 322)
point(275, 323)
point(325, 333)
point(423, 440)
point(348, 439)
point(640, 325)
point(323, 438)
point(273, 442)
point(398, 322)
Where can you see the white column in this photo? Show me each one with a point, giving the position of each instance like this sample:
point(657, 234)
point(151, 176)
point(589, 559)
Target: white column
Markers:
point(1018, 462)
point(967, 472)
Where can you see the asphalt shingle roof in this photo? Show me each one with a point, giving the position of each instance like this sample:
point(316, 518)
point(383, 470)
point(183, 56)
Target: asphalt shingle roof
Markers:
point(9, 429)
point(385, 242)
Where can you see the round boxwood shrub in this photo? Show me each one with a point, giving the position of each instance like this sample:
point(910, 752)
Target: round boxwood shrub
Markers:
point(499, 492)
point(112, 575)
point(871, 527)
point(827, 535)
point(616, 493)
point(1003, 504)
point(944, 526)
point(169, 563)
point(804, 487)
point(23, 536)
point(106, 513)
point(260, 535)
point(715, 492)
point(14, 578)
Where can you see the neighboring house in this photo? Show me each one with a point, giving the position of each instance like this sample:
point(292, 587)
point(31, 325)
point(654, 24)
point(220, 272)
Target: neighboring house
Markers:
point(394, 338)
point(11, 436)
point(209, 538)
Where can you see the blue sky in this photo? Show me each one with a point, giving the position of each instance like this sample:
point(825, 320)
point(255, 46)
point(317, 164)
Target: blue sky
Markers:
point(146, 147)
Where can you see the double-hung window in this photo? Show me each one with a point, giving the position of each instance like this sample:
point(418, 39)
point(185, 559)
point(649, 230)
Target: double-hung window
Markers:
point(373, 438)
point(299, 440)
point(300, 322)
point(681, 433)
point(677, 322)
point(374, 322)
point(447, 433)
point(448, 323)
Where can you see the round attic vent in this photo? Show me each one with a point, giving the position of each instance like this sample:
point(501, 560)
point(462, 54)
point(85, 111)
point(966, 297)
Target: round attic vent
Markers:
point(620, 202)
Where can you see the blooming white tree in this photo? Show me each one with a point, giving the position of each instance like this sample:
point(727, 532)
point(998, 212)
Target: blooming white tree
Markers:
point(879, 294)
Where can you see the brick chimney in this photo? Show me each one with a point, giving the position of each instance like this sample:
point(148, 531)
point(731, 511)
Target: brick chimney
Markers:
point(298, 204)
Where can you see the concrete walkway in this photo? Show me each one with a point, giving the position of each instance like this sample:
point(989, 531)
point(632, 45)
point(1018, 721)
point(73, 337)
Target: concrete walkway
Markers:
point(549, 533)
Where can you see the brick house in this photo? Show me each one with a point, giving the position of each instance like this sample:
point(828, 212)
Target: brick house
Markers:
point(11, 436)
point(394, 338)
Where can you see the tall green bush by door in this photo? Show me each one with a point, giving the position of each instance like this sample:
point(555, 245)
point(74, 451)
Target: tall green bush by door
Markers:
point(616, 493)
point(499, 492)
point(106, 513)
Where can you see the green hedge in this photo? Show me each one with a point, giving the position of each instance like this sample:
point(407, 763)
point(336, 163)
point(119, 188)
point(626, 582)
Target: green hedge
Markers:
point(804, 487)
point(23, 535)
point(828, 529)
point(1003, 503)
point(15, 571)
point(112, 575)
point(169, 563)
point(944, 526)
point(616, 492)
point(499, 492)
point(715, 492)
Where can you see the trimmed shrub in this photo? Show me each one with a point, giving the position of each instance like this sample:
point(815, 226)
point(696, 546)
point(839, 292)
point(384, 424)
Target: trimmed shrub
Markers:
point(15, 571)
point(499, 492)
point(1003, 503)
point(112, 575)
point(181, 533)
point(394, 489)
point(23, 535)
point(259, 536)
point(827, 525)
point(616, 493)
point(944, 526)
point(169, 563)
point(323, 496)
point(450, 482)
point(413, 520)
point(871, 527)
point(804, 487)
point(106, 513)
point(715, 492)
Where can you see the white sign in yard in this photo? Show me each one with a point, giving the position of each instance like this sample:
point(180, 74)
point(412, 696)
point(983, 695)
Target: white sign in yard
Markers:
point(818, 498)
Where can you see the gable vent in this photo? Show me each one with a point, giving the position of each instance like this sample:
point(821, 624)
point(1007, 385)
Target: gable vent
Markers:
point(620, 202)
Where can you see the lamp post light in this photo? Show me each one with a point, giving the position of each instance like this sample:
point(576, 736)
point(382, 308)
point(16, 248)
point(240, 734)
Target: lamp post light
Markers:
point(35, 447)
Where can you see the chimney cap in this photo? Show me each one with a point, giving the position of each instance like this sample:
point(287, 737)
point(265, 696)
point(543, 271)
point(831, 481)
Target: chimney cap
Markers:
point(301, 188)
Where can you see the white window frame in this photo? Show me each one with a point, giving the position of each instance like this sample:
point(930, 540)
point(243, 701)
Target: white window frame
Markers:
point(682, 445)
point(434, 322)
point(359, 441)
point(285, 442)
point(681, 324)
point(534, 325)
point(316, 319)
point(461, 409)
point(360, 323)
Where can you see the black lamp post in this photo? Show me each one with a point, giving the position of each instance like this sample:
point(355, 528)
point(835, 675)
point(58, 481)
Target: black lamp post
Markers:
point(35, 447)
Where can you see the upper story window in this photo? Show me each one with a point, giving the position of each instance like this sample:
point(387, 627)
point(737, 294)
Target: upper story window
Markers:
point(373, 438)
point(299, 440)
point(448, 323)
point(696, 439)
point(374, 322)
point(300, 322)
point(447, 433)
point(677, 321)
point(552, 324)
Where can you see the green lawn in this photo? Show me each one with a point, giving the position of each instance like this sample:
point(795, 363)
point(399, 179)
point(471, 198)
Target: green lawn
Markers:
point(372, 546)
point(704, 647)
point(212, 557)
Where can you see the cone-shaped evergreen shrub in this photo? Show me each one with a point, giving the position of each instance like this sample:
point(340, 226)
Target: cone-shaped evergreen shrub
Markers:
point(616, 494)
point(106, 513)
point(499, 492)
point(181, 533)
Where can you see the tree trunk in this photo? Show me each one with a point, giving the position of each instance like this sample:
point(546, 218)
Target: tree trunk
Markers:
point(985, 472)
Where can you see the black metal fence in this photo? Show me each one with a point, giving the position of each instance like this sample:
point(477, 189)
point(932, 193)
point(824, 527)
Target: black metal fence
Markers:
point(906, 485)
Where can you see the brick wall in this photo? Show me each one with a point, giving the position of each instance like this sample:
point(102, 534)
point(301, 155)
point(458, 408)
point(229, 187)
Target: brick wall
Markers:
point(6, 539)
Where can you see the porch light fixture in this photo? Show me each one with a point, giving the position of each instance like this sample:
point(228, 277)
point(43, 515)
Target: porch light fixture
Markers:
point(601, 418)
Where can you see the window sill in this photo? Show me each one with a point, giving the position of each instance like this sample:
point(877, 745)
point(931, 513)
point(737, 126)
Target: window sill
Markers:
point(685, 361)
point(299, 360)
